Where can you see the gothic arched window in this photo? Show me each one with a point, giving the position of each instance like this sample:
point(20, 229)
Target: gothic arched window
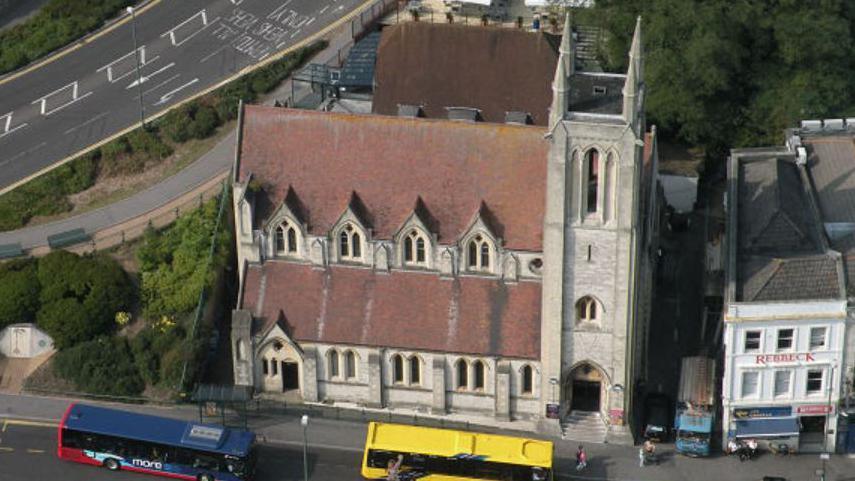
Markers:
point(286, 238)
point(415, 248)
point(586, 310)
point(415, 370)
point(333, 363)
point(350, 243)
point(527, 385)
point(462, 374)
point(592, 161)
point(397, 368)
point(479, 251)
point(479, 369)
point(350, 365)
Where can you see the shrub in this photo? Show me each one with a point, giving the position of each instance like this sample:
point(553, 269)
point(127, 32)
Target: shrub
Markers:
point(101, 366)
point(174, 125)
point(205, 122)
point(19, 292)
point(149, 144)
point(150, 347)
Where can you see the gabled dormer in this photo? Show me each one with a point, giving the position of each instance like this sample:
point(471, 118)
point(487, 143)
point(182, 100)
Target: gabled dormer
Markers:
point(286, 228)
point(351, 233)
point(480, 243)
point(416, 238)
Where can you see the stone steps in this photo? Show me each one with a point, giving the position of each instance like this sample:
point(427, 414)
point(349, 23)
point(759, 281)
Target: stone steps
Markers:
point(584, 426)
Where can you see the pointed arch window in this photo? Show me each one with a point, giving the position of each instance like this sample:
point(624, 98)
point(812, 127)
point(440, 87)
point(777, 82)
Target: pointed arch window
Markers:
point(264, 367)
point(592, 161)
point(333, 364)
point(479, 253)
point(478, 368)
point(586, 310)
point(415, 370)
point(286, 238)
point(527, 385)
point(415, 248)
point(609, 188)
point(350, 243)
point(462, 374)
point(350, 365)
point(397, 369)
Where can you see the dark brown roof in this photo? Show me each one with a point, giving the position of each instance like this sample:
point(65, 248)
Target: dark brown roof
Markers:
point(492, 69)
point(832, 168)
point(455, 168)
point(407, 310)
point(808, 277)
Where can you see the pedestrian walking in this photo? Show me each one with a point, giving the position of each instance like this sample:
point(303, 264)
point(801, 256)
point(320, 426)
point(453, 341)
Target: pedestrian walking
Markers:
point(581, 458)
point(640, 457)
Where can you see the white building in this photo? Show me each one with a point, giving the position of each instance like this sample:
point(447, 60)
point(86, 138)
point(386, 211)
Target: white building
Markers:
point(788, 282)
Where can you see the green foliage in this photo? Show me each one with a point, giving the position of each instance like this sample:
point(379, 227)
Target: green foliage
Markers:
point(130, 153)
point(19, 292)
point(204, 123)
point(59, 23)
point(101, 366)
point(723, 74)
point(80, 295)
point(150, 347)
point(174, 125)
point(173, 263)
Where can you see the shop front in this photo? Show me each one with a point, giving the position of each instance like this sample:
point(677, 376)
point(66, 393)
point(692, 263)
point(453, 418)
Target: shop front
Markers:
point(800, 427)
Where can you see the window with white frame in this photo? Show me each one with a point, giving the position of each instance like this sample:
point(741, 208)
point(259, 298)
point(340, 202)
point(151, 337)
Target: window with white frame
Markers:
point(286, 238)
point(462, 368)
point(750, 384)
point(415, 370)
point(752, 341)
point(350, 243)
point(415, 248)
point(817, 337)
point(479, 251)
point(350, 365)
point(398, 369)
point(333, 361)
point(785, 339)
point(814, 381)
point(782, 382)
point(527, 384)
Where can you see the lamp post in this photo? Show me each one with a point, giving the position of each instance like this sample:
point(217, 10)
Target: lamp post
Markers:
point(304, 421)
point(130, 10)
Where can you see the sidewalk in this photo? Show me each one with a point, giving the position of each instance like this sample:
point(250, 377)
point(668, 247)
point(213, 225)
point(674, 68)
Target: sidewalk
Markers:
point(606, 462)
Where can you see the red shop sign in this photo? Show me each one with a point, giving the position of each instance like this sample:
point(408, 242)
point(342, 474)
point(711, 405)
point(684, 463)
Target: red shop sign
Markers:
point(790, 357)
point(815, 409)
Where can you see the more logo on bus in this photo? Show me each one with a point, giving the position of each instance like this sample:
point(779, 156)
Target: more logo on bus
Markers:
point(144, 463)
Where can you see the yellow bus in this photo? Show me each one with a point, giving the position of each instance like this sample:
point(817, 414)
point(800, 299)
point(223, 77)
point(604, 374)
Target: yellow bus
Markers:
point(431, 454)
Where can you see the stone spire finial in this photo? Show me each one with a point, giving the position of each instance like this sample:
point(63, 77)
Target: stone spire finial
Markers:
point(560, 93)
point(633, 78)
point(567, 51)
point(635, 50)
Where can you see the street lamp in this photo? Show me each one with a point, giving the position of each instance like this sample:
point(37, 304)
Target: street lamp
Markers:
point(304, 421)
point(130, 11)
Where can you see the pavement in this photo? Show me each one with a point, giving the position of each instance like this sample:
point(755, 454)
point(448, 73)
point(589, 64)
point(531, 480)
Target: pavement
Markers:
point(212, 164)
point(91, 93)
point(334, 447)
point(13, 12)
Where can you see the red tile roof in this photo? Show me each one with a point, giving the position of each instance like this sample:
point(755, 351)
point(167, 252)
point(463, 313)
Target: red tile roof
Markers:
point(407, 310)
point(390, 162)
point(499, 70)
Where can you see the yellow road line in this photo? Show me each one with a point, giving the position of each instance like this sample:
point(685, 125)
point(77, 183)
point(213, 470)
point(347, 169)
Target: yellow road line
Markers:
point(154, 117)
point(35, 451)
point(80, 43)
point(38, 424)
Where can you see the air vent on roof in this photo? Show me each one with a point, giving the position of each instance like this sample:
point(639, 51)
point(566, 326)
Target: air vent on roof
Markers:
point(406, 110)
point(517, 117)
point(812, 125)
point(468, 114)
point(850, 123)
point(599, 90)
point(801, 156)
point(834, 124)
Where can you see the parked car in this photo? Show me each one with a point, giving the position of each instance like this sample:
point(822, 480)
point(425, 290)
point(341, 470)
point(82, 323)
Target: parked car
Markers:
point(657, 417)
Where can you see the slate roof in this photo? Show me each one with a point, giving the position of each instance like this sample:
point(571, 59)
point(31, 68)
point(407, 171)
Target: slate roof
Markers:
point(831, 162)
point(597, 93)
point(784, 279)
point(406, 310)
point(499, 70)
point(455, 168)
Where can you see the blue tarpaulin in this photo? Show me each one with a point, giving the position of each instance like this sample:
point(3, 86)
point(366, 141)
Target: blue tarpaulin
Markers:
point(769, 427)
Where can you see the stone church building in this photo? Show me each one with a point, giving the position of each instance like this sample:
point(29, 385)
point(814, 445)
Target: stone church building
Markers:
point(494, 269)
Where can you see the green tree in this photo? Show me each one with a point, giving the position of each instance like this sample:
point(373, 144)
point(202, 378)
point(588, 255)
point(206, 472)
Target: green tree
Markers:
point(19, 292)
point(101, 366)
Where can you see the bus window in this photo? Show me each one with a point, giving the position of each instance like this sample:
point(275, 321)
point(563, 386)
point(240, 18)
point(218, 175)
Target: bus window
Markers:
point(205, 461)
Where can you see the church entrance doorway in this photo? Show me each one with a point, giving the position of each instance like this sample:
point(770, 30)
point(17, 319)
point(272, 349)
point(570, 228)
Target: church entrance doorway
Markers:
point(290, 376)
point(585, 386)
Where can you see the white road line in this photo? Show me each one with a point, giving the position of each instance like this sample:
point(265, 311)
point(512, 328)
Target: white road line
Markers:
point(310, 21)
point(93, 119)
point(7, 125)
point(133, 70)
point(109, 66)
point(74, 98)
point(296, 32)
point(205, 23)
point(24, 153)
point(213, 53)
point(65, 104)
point(161, 84)
point(321, 12)
point(145, 78)
point(167, 96)
point(13, 130)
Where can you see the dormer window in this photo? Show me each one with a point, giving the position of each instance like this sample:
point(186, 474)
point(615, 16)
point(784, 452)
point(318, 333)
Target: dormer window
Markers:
point(350, 243)
point(479, 252)
point(286, 238)
point(415, 248)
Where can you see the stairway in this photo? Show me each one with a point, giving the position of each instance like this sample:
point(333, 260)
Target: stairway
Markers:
point(583, 426)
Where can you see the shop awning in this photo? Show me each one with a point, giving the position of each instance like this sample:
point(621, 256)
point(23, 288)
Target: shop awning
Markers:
point(770, 427)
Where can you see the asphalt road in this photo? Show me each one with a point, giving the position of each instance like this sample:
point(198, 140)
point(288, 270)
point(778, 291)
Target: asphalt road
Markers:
point(185, 46)
point(29, 453)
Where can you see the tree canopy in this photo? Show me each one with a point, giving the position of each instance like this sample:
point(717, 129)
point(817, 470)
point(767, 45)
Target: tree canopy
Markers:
point(733, 73)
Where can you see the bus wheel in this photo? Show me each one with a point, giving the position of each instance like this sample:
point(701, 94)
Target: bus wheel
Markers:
point(111, 464)
point(206, 477)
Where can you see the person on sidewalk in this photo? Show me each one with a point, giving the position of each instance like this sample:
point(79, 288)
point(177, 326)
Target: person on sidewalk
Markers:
point(641, 457)
point(581, 458)
point(393, 468)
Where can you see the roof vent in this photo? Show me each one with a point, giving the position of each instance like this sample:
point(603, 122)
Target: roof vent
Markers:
point(406, 110)
point(850, 124)
point(812, 125)
point(801, 156)
point(468, 114)
point(600, 90)
point(834, 124)
point(517, 117)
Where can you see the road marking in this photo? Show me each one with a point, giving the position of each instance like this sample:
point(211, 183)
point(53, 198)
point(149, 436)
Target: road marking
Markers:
point(93, 119)
point(205, 23)
point(4, 449)
point(143, 63)
point(161, 84)
point(8, 124)
point(145, 78)
point(5, 423)
point(74, 98)
point(22, 423)
point(16, 422)
point(213, 53)
point(167, 96)
point(35, 451)
point(323, 10)
point(296, 32)
point(310, 21)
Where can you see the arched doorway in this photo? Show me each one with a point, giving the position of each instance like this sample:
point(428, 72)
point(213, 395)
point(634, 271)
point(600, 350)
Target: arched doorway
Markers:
point(584, 388)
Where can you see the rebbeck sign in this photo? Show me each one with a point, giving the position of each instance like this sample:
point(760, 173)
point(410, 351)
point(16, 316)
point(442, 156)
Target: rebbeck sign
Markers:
point(784, 357)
